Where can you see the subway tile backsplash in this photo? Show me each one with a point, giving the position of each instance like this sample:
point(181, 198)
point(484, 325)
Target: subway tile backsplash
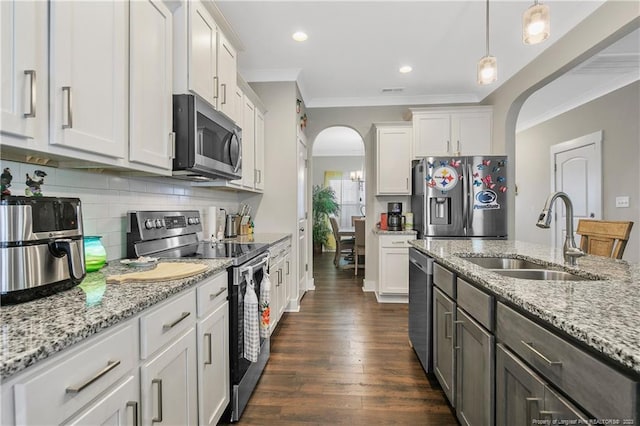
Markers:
point(107, 198)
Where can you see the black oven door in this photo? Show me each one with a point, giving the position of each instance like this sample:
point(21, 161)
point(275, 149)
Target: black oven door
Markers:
point(237, 292)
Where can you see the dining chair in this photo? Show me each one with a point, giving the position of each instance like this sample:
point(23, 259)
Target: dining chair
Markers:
point(359, 242)
point(603, 237)
point(354, 219)
point(344, 246)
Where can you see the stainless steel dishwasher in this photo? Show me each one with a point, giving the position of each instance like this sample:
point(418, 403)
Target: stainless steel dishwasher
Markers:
point(420, 295)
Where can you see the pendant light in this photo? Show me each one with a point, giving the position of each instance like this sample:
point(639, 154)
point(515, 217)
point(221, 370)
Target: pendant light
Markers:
point(488, 65)
point(535, 23)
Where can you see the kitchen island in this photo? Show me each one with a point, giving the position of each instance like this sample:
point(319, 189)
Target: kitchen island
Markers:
point(550, 349)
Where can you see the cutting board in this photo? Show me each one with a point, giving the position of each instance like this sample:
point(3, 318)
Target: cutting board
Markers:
point(162, 272)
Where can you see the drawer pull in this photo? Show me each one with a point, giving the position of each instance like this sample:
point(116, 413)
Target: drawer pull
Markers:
point(213, 296)
point(134, 405)
point(166, 327)
point(540, 355)
point(447, 315)
point(398, 242)
point(110, 366)
point(159, 383)
point(529, 401)
point(208, 346)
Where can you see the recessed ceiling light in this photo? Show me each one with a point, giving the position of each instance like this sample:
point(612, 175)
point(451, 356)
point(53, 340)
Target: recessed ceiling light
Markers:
point(299, 36)
point(405, 69)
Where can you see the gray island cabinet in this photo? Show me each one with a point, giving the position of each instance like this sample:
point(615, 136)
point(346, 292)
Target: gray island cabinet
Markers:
point(508, 351)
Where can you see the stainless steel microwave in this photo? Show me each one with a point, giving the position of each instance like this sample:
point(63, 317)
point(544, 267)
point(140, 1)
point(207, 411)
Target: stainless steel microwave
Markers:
point(208, 145)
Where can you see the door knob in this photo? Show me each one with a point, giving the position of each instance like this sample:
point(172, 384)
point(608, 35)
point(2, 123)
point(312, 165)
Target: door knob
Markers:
point(592, 215)
point(301, 229)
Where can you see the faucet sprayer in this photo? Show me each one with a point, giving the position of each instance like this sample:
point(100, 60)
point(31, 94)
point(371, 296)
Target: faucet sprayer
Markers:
point(570, 251)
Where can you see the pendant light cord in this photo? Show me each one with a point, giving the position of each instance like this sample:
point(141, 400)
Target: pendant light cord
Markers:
point(487, 28)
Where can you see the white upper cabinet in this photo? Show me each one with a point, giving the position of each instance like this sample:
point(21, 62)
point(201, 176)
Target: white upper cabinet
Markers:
point(89, 72)
point(202, 53)
point(452, 131)
point(150, 120)
point(248, 140)
point(259, 151)
point(23, 64)
point(227, 75)
point(393, 159)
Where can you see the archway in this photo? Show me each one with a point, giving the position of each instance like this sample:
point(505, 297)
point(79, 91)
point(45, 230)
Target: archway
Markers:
point(338, 163)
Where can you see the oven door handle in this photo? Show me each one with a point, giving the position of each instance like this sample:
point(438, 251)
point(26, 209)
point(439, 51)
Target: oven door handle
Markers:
point(250, 269)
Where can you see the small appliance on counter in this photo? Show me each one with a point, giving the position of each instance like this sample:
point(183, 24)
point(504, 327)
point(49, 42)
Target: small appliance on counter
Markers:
point(231, 226)
point(395, 220)
point(41, 247)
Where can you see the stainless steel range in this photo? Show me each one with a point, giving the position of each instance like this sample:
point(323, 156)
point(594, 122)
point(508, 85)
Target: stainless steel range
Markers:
point(173, 234)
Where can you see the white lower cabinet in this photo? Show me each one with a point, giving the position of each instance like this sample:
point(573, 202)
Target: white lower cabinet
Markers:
point(168, 384)
point(119, 407)
point(281, 280)
point(163, 366)
point(443, 342)
point(213, 365)
point(393, 273)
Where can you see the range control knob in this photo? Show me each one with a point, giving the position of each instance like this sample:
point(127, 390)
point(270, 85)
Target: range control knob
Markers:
point(191, 221)
point(158, 223)
point(197, 219)
point(148, 224)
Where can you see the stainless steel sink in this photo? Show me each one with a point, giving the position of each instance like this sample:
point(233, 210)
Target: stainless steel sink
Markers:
point(503, 263)
point(541, 274)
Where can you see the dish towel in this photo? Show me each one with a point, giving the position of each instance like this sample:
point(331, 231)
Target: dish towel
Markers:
point(265, 302)
point(251, 323)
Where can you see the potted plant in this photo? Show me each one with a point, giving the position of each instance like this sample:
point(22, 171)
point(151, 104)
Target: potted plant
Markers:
point(324, 204)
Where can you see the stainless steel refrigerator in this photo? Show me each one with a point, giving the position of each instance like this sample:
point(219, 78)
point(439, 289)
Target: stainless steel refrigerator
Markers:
point(460, 197)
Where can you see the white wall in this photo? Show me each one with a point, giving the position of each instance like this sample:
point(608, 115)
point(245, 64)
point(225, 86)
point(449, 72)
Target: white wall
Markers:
point(617, 115)
point(343, 164)
point(106, 198)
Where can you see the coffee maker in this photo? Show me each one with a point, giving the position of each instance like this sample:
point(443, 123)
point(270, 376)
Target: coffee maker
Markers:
point(41, 247)
point(394, 217)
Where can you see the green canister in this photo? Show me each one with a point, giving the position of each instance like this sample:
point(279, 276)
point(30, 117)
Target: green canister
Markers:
point(95, 256)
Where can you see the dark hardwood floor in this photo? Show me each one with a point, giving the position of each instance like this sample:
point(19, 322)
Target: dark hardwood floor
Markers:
point(344, 359)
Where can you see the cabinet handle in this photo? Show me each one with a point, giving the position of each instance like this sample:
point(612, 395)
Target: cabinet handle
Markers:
point(288, 270)
point(218, 293)
point(207, 336)
point(79, 388)
point(540, 354)
point(259, 176)
point(172, 144)
point(32, 94)
point(215, 86)
point(158, 382)
point(458, 146)
point(69, 124)
point(546, 415)
point(134, 405)
point(448, 146)
point(398, 242)
point(447, 315)
point(528, 403)
point(224, 93)
point(255, 176)
point(166, 327)
point(458, 322)
point(407, 183)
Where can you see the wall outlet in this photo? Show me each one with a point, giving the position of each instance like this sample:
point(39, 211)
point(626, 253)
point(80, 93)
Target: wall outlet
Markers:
point(622, 201)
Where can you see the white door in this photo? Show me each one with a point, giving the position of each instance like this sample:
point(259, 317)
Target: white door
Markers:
point(432, 134)
point(23, 68)
point(227, 73)
point(259, 151)
point(248, 143)
point(89, 91)
point(302, 218)
point(577, 170)
point(118, 407)
point(394, 161)
point(168, 384)
point(203, 39)
point(150, 119)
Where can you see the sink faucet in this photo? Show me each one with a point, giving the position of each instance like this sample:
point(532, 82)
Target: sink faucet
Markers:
point(570, 250)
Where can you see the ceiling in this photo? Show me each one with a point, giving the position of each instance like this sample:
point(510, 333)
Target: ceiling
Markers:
point(355, 48)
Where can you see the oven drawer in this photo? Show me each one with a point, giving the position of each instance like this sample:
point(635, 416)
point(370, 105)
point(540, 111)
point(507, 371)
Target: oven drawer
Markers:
point(602, 391)
point(211, 293)
point(166, 322)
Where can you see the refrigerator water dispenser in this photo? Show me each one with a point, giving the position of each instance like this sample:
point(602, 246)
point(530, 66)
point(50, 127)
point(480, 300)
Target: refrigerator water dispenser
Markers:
point(441, 210)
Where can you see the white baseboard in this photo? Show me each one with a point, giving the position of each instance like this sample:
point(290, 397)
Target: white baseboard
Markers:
point(392, 298)
point(311, 284)
point(368, 285)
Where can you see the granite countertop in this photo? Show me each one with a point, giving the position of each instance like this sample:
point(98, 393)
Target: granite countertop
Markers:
point(379, 231)
point(604, 315)
point(260, 237)
point(35, 330)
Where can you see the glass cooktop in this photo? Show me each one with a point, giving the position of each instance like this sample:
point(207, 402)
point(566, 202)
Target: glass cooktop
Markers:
point(238, 252)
